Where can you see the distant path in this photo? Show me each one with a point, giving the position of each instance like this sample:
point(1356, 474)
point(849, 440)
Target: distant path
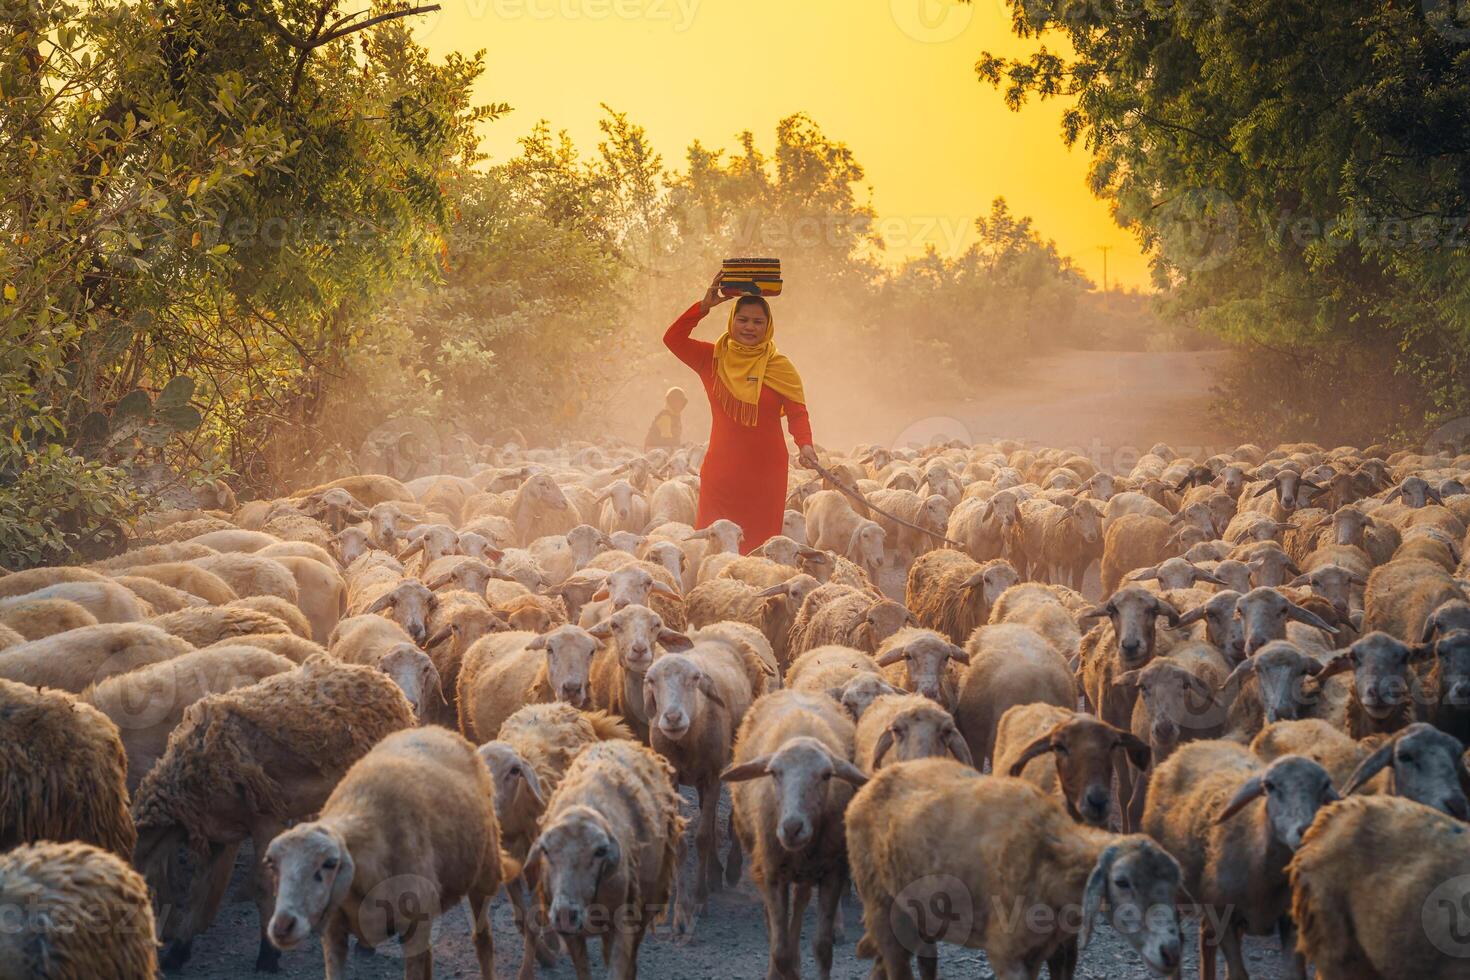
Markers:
point(1103, 402)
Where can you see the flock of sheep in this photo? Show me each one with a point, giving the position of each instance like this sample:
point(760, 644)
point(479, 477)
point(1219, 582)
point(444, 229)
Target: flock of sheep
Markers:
point(409, 694)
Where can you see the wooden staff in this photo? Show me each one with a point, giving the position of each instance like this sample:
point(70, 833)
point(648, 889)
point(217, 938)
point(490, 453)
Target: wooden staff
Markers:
point(854, 494)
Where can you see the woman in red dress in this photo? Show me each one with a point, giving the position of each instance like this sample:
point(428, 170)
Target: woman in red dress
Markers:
point(750, 386)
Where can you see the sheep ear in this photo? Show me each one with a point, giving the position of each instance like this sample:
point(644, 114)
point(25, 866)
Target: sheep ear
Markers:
point(1194, 615)
point(1300, 580)
point(535, 853)
point(539, 643)
point(1431, 626)
point(440, 636)
point(958, 655)
point(1092, 895)
point(600, 594)
point(663, 589)
point(532, 782)
point(1162, 608)
point(1201, 575)
point(1340, 664)
point(383, 602)
point(1243, 670)
point(1268, 488)
point(346, 870)
point(1252, 789)
point(1434, 495)
point(1096, 612)
point(772, 592)
point(754, 769)
point(413, 549)
point(959, 748)
point(1397, 493)
point(892, 657)
point(1041, 746)
point(708, 689)
point(440, 582)
point(880, 749)
point(1304, 615)
point(1129, 678)
point(1139, 752)
point(1145, 575)
point(975, 581)
point(847, 772)
point(674, 641)
point(601, 630)
point(1369, 767)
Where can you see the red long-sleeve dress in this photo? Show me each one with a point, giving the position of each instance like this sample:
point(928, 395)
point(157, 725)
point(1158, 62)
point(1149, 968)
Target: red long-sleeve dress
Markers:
point(744, 474)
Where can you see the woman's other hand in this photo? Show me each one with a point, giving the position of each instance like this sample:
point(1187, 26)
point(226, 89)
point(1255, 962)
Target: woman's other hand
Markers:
point(807, 456)
point(713, 297)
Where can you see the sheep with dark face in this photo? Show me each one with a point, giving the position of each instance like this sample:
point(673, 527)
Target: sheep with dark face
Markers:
point(1385, 689)
point(1427, 766)
point(1067, 754)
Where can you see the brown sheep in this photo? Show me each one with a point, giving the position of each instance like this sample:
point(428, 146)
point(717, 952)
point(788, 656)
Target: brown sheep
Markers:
point(611, 840)
point(1041, 608)
point(533, 613)
point(1232, 823)
point(190, 578)
point(792, 822)
point(850, 677)
point(1009, 665)
point(901, 727)
point(1135, 541)
point(922, 662)
point(252, 575)
point(635, 635)
point(36, 619)
point(844, 615)
point(70, 661)
point(153, 555)
point(1067, 754)
point(694, 700)
point(220, 781)
point(504, 672)
point(1325, 744)
point(1393, 917)
point(148, 704)
point(287, 645)
point(63, 774)
point(20, 583)
point(1403, 594)
point(407, 833)
point(953, 594)
point(286, 612)
point(536, 746)
point(321, 593)
point(160, 598)
point(203, 626)
point(9, 638)
point(76, 912)
point(108, 601)
point(990, 844)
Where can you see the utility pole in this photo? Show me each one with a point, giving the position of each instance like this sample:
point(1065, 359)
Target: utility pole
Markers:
point(1105, 249)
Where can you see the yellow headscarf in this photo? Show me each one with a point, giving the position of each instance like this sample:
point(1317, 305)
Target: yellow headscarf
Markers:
point(740, 371)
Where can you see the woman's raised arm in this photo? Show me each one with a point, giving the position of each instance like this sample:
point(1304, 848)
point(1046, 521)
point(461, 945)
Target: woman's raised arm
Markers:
point(698, 354)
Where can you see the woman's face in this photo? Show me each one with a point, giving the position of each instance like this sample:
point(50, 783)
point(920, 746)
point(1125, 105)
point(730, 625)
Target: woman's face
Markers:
point(750, 325)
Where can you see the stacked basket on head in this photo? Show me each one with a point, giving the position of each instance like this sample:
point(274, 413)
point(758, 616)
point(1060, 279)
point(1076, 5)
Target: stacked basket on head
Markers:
point(756, 277)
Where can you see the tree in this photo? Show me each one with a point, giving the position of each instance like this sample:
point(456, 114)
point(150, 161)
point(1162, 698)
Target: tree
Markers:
point(1298, 171)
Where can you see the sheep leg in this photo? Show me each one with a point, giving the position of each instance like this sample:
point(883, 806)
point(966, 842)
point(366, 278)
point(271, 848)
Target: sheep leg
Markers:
point(1230, 935)
point(777, 900)
point(1296, 963)
point(1140, 796)
point(334, 947)
point(625, 953)
point(801, 895)
point(577, 947)
point(262, 832)
point(1063, 963)
point(484, 939)
point(1125, 792)
point(707, 842)
point(734, 857)
point(829, 899)
point(535, 944)
point(893, 954)
point(1209, 945)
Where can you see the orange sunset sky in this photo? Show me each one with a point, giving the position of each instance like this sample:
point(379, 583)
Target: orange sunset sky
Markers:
point(894, 79)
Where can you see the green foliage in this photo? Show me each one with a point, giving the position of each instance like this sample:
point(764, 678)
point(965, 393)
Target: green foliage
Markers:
point(60, 508)
point(1299, 172)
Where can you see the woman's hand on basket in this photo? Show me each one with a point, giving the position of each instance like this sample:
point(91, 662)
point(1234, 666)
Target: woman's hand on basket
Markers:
point(713, 297)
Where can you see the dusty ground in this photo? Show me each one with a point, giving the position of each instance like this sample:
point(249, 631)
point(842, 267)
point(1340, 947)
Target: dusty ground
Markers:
point(729, 944)
point(1107, 403)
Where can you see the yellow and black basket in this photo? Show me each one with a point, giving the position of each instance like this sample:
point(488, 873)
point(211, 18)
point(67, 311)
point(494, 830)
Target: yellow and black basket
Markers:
point(758, 277)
